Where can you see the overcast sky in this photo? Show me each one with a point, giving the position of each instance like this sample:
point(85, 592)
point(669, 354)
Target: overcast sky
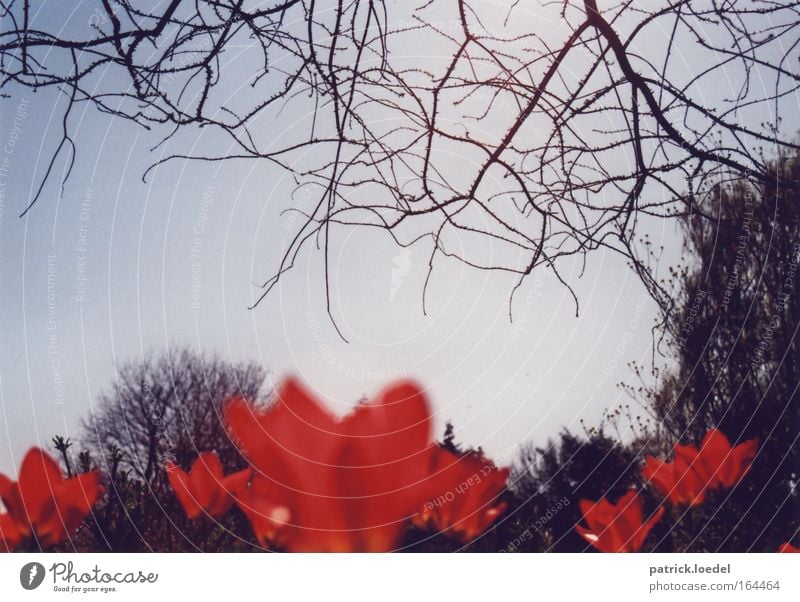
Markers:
point(117, 267)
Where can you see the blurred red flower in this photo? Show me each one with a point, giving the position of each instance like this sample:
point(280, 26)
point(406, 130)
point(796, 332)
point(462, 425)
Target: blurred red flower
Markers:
point(205, 489)
point(323, 484)
point(42, 503)
point(616, 527)
point(693, 472)
point(9, 533)
point(788, 548)
point(466, 501)
point(682, 480)
point(724, 465)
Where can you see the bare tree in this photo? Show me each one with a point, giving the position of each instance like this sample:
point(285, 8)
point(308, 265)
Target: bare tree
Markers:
point(571, 122)
point(166, 407)
point(169, 407)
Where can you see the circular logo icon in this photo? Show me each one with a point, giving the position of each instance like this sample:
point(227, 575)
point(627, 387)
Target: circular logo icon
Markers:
point(31, 575)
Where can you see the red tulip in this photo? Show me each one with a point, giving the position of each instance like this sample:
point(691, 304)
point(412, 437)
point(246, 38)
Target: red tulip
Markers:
point(467, 501)
point(693, 471)
point(9, 533)
point(682, 480)
point(324, 484)
point(725, 465)
point(616, 527)
point(43, 504)
point(788, 548)
point(205, 489)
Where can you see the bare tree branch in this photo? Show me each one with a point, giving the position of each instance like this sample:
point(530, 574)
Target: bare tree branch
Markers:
point(520, 142)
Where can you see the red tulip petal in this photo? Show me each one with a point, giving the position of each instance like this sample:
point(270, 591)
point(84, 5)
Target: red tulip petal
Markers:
point(269, 520)
point(484, 505)
point(598, 514)
point(739, 462)
point(9, 494)
point(237, 481)
point(691, 476)
point(660, 475)
point(425, 520)
point(477, 503)
point(296, 438)
point(714, 454)
point(602, 518)
point(208, 463)
point(630, 510)
point(81, 492)
point(725, 466)
point(465, 502)
point(715, 443)
point(587, 509)
point(294, 446)
point(10, 534)
point(296, 422)
point(73, 500)
point(38, 477)
point(6, 485)
point(605, 539)
point(617, 534)
point(180, 483)
point(275, 523)
point(385, 465)
point(682, 481)
point(592, 538)
point(205, 481)
point(644, 530)
point(585, 506)
point(624, 531)
point(224, 493)
point(438, 510)
point(393, 429)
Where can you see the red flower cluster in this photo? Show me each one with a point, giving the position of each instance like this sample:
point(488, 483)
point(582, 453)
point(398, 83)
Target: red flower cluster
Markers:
point(319, 483)
point(43, 504)
point(693, 472)
point(617, 527)
point(353, 484)
point(686, 480)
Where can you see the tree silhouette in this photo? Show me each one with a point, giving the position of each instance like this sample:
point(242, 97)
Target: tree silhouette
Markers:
point(550, 481)
point(166, 407)
point(733, 334)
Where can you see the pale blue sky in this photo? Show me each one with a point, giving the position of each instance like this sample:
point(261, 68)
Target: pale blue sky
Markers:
point(135, 267)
